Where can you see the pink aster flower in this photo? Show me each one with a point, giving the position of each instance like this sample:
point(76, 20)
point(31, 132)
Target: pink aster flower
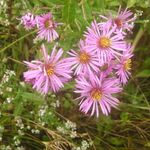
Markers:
point(47, 26)
point(123, 20)
point(124, 66)
point(83, 60)
point(96, 92)
point(104, 42)
point(50, 74)
point(28, 20)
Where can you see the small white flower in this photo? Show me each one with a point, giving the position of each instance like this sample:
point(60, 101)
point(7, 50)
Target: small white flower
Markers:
point(53, 104)
point(22, 84)
point(1, 92)
point(139, 13)
point(33, 131)
point(8, 148)
point(78, 148)
point(1, 129)
point(73, 134)
point(17, 142)
point(37, 131)
point(31, 112)
point(5, 79)
point(20, 148)
point(36, 40)
point(85, 145)
point(28, 127)
point(9, 89)
point(10, 72)
point(57, 103)
point(53, 95)
point(62, 130)
point(9, 99)
point(70, 125)
point(20, 132)
point(43, 123)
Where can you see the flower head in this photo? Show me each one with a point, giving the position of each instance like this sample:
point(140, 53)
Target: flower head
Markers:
point(50, 74)
point(124, 20)
point(96, 92)
point(29, 21)
point(124, 65)
point(47, 26)
point(84, 61)
point(104, 42)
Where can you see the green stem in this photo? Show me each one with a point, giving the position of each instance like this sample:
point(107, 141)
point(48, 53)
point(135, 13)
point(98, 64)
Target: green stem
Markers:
point(138, 36)
point(9, 45)
point(134, 106)
point(17, 61)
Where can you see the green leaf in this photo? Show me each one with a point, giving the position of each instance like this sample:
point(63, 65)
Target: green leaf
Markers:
point(147, 62)
point(100, 4)
point(116, 141)
point(130, 3)
point(114, 3)
point(36, 98)
point(144, 73)
point(147, 144)
point(86, 10)
point(18, 109)
point(69, 11)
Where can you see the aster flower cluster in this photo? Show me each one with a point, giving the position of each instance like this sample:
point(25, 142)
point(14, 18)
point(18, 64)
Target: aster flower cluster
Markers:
point(101, 66)
point(49, 74)
point(44, 23)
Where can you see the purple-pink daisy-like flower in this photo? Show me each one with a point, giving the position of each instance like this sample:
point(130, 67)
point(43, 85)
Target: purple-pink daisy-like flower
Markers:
point(29, 21)
point(47, 26)
point(124, 66)
point(50, 74)
point(96, 92)
point(84, 61)
point(124, 19)
point(104, 42)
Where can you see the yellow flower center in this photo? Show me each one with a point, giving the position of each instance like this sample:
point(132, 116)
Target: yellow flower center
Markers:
point(127, 65)
point(48, 23)
point(49, 69)
point(96, 94)
point(118, 22)
point(104, 42)
point(84, 57)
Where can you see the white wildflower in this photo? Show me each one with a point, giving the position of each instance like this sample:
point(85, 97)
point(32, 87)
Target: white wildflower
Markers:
point(73, 134)
point(22, 84)
point(70, 125)
point(9, 99)
point(61, 130)
point(8, 89)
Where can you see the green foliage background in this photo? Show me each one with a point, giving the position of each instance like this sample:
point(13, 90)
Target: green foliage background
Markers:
point(126, 128)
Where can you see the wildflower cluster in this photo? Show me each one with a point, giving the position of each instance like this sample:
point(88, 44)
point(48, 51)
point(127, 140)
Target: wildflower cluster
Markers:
point(69, 128)
point(44, 23)
point(84, 145)
point(101, 66)
point(8, 75)
point(3, 13)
